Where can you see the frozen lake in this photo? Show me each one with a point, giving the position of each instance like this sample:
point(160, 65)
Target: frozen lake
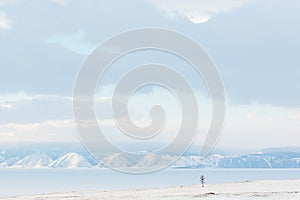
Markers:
point(15, 182)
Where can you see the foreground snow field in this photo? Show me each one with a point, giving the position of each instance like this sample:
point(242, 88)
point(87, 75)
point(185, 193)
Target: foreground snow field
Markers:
point(274, 190)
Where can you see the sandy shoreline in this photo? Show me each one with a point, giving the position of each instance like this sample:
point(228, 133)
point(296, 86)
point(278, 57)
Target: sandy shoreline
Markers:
point(245, 190)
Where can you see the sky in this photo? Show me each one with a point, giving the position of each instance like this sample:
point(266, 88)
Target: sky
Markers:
point(254, 43)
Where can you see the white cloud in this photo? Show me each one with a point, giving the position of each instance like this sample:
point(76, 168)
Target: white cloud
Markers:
point(269, 119)
point(5, 2)
point(23, 96)
point(197, 11)
point(22, 107)
point(46, 131)
point(103, 99)
point(37, 126)
point(74, 42)
point(60, 2)
point(295, 116)
point(5, 23)
point(60, 123)
point(7, 134)
point(259, 126)
point(250, 116)
point(7, 106)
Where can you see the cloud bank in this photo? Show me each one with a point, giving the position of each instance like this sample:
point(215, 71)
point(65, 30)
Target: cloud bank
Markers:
point(5, 23)
point(197, 11)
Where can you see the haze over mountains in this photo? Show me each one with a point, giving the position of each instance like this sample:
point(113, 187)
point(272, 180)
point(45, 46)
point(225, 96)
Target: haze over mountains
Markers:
point(76, 157)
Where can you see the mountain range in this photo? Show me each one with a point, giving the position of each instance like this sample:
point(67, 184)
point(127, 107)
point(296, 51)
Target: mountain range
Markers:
point(78, 158)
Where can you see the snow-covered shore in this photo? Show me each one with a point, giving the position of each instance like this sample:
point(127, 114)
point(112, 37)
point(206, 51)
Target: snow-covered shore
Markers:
point(245, 190)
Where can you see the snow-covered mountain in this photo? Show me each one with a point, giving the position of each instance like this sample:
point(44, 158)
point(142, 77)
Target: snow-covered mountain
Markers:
point(70, 160)
point(81, 159)
point(75, 160)
point(34, 160)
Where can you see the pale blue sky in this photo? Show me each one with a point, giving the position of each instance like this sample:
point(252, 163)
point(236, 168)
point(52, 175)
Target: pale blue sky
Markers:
point(254, 43)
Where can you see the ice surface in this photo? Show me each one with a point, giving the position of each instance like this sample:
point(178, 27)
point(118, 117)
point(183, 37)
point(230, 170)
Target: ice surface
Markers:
point(244, 190)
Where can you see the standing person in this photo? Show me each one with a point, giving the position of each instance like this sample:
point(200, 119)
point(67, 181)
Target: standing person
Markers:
point(202, 178)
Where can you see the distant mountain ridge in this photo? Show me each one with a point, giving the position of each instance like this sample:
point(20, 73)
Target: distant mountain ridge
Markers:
point(81, 159)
